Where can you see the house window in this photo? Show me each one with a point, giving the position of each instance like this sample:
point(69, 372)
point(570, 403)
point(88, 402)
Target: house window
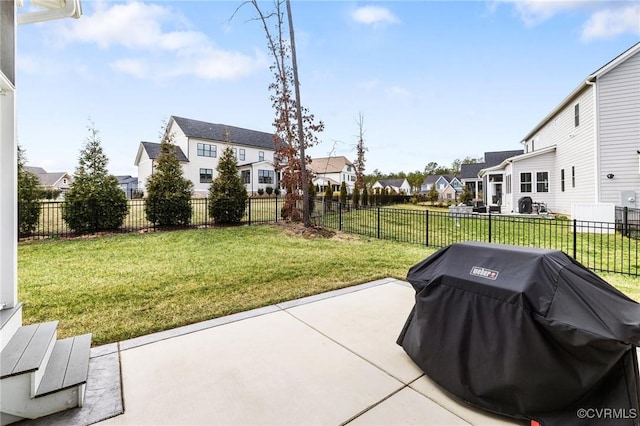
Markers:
point(562, 180)
point(206, 150)
point(206, 175)
point(573, 176)
point(349, 168)
point(242, 154)
point(235, 152)
point(542, 182)
point(246, 176)
point(266, 176)
point(260, 155)
point(576, 115)
point(525, 182)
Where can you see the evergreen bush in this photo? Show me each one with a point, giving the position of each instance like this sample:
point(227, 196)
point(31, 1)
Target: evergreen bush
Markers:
point(29, 194)
point(343, 194)
point(355, 197)
point(95, 201)
point(227, 193)
point(168, 192)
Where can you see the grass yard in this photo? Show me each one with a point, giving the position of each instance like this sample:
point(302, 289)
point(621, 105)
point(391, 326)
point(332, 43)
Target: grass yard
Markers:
point(595, 247)
point(123, 286)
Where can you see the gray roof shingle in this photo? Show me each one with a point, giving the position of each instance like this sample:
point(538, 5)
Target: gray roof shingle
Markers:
point(215, 132)
point(494, 158)
point(153, 151)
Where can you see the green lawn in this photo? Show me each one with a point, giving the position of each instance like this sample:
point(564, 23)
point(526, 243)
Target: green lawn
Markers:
point(122, 286)
point(600, 251)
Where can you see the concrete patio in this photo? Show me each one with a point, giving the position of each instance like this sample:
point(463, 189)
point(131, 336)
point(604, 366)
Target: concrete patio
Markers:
point(327, 359)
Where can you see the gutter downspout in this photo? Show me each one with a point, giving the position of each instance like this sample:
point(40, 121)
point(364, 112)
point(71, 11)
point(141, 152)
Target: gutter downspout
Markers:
point(591, 81)
point(71, 9)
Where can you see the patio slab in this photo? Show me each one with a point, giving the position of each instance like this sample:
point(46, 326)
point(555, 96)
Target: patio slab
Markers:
point(368, 324)
point(324, 360)
point(270, 369)
point(408, 407)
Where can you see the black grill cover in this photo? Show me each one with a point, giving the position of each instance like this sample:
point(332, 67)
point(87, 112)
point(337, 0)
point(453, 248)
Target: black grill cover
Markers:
point(528, 333)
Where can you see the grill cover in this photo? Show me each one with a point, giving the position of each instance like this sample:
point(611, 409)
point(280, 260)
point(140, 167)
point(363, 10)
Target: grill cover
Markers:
point(528, 333)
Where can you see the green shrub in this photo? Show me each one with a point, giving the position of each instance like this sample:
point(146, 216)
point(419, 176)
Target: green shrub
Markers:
point(328, 193)
point(312, 197)
point(168, 192)
point(269, 190)
point(365, 197)
point(343, 193)
point(466, 195)
point(260, 191)
point(227, 193)
point(95, 201)
point(28, 198)
point(355, 197)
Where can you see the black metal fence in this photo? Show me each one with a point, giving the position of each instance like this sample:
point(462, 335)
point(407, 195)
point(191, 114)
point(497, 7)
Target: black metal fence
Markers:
point(600, 246)
point(51, 224)
point(628, 221)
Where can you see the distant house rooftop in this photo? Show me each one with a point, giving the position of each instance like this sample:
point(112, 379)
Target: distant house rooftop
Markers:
point(216, 132)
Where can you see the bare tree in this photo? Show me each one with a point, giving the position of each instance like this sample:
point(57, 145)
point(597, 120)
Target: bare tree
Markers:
point(360, 150)
point(295, 127)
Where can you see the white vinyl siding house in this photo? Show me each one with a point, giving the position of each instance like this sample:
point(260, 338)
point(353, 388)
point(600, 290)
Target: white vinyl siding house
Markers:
point(575, 147)
point(618, 94)
point(589, 144)
point(199, 148)
point(333, 171)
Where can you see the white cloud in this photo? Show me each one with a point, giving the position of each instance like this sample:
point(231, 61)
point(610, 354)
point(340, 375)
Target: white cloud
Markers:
point(610, 23)
point(374, 15)
point(134, 67)
point(607, 19)
point(534, 12)
point(161, 52)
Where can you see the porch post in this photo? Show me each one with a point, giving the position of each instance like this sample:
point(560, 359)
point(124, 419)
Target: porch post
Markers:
point(8, 167)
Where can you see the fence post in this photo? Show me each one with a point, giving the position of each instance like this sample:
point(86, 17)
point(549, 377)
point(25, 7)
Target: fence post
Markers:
point(625, 221)
point(378, 222)
point(340, 216)
point(489, 225)
point(575, 238)
point(276, 207)
point(426, 228)
point(249, 210)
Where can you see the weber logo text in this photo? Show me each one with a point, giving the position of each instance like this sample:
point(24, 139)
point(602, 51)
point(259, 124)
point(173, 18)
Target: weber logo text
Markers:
point(479, 271)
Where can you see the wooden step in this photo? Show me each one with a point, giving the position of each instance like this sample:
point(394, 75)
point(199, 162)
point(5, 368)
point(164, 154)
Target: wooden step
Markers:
point(27, 349)
point(68, 365)
point(10, 322)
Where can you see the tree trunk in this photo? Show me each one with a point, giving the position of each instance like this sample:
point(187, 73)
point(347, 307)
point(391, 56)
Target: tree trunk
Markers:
point(306, 216)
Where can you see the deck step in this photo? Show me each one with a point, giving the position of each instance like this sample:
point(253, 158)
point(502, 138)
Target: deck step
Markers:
point(68, 365)
point(10, 322)
point(27, 349)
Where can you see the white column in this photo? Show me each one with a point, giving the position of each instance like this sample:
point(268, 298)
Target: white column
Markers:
point(8, 198)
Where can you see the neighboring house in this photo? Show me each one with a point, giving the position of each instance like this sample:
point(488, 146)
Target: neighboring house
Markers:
point(469, 173)
point(60, 181)
point(199, 145)
point(128, 184)
point(333, 171)
point(448, 186)
point(395, 186)
point(586, 151)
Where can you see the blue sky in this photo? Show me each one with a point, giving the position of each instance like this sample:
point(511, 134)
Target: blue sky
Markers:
point(434, 81)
